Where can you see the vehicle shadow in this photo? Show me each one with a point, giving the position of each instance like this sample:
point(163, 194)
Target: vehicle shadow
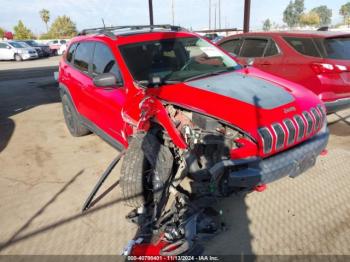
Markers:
point(21, 90)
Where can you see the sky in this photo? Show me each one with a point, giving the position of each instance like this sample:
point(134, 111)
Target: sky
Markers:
point(188, 13)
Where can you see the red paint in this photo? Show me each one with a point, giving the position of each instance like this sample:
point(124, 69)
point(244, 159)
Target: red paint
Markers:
point(324, 152)
point(328, 78)
point(260, 188)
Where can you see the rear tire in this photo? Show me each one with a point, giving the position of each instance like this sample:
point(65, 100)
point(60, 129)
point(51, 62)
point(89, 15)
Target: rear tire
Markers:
point(137, 172)
point(74, 125)
point(18, 58)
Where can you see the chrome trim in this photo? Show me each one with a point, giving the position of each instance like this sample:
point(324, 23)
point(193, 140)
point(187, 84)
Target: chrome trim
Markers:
point(307, 118)
point(288, 129)
point(317, 118)
point(261, 130)
point(278, 144)
point(301, 129)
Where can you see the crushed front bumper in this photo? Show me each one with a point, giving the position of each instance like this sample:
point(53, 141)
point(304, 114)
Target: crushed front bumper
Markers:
point(293, 162)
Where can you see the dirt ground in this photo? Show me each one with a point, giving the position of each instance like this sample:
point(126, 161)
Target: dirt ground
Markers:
point(46, 174)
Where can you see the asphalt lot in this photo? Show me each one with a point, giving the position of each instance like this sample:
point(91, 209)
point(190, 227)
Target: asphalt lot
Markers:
point(46, 174)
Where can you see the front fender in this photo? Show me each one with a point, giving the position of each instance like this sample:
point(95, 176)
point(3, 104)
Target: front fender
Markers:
point(153, 108)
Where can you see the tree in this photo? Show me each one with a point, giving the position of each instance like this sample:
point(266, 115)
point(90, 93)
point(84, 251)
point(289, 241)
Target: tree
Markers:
point(62, 27)
point(345, 11)
point(324, 13)
point(45, 16)
point(292, 13)
point(267, 25)
point(2, 32)
point(311, 19)
point(22, 32)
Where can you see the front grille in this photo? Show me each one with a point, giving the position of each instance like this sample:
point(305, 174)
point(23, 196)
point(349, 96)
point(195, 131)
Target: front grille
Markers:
point(291, 131)
point(301, 126)
point(317, 118)
point(279, 132)
point(267, 139)
point(295, 129)
point(309, 123)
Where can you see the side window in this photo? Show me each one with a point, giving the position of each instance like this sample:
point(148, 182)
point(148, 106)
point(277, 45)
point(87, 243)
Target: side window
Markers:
point(253, 47)
point(271, 49)
point(70, 52)
point(103, 61)
point(2, 46)
point(303, 45)
point(83, 55)
point(232, 46)
point(62, 42)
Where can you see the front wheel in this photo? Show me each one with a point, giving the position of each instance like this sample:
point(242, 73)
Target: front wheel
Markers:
point(18, 58)
point(145, 171)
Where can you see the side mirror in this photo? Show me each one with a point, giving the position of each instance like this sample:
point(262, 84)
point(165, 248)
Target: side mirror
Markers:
point(107, 80)
point(250, 61)
point(8, 47)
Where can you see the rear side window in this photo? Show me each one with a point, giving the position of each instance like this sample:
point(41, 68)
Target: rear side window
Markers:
point(337, 48)
point(2, 45)
point(271, 49)
point(83, 55)
point(232, 46)
point(70, 52)
point(253, 47)
point(103, 61)
point(303, 45)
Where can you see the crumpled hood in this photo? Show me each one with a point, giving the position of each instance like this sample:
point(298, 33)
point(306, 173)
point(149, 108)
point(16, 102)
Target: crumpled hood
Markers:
point(247, 99)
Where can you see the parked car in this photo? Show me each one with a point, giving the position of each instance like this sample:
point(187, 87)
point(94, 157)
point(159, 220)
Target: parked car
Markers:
point(55, 45)
point(11, 50)
point(41, 49)
point(165, 93)
point(318, 60)
point(62, 49)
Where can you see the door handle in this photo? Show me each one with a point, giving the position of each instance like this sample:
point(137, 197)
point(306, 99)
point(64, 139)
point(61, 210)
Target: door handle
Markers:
point(266, 63)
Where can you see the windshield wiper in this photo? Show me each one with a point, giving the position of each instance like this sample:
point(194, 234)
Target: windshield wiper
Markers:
point(209, 74)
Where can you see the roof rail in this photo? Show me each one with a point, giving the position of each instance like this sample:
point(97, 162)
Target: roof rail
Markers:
point(108, 31)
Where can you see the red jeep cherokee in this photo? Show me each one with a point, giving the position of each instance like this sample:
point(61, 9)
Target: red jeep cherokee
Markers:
point(183, 107)
point(318, 60)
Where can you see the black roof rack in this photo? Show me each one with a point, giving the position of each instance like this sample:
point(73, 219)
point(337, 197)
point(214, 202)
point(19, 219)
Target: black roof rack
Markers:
point(109, 31)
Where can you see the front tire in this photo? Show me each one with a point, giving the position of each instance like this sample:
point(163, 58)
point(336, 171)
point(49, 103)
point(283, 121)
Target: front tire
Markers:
point(71, 118)
point(140, 180)
point(18, 58)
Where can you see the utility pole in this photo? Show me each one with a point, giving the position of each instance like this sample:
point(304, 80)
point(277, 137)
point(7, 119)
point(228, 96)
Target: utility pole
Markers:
point(173, 11)
point(150, 7)
point(246, 16)
point(219, 14)
point(209, 14)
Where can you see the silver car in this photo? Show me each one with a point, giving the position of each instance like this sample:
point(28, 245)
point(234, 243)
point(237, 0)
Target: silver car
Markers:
point(11, 50)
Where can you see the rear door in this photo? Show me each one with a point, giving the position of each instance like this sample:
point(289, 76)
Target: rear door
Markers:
point(297, 64)
point(265, 52)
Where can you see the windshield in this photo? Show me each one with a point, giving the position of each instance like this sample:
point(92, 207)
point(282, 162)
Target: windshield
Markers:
point(31, 43)
point(175, 59)
point(16, 45)
point(24, 44)
point(338, 48)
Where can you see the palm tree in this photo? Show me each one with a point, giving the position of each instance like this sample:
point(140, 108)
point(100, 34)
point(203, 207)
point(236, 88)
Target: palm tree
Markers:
point(45, 16)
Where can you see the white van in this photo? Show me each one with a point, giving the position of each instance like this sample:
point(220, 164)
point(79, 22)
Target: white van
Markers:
point(11, 50)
